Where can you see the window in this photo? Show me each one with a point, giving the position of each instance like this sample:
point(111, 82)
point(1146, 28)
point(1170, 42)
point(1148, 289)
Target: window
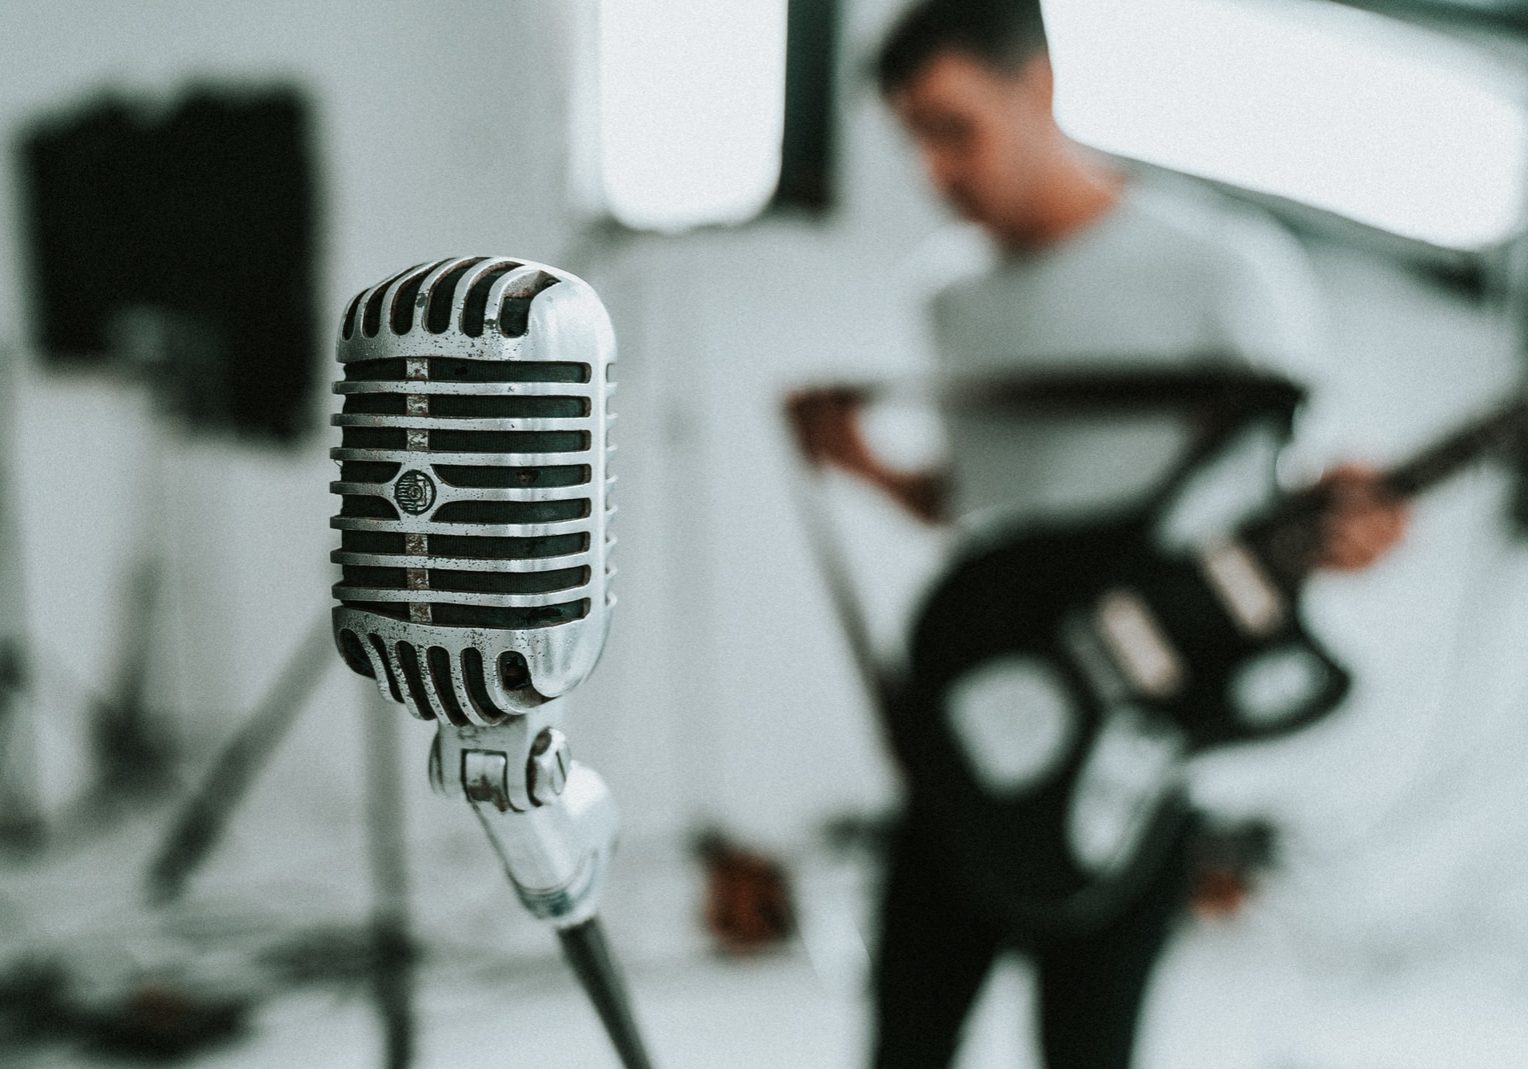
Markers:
point(1384, 122)
point(692, 106)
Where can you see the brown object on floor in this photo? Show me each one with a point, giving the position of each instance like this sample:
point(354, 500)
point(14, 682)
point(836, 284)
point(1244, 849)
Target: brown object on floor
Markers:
point(747, 897)
point(1228, 861)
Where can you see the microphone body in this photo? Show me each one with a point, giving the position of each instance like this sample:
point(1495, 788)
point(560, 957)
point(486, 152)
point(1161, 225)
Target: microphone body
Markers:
point(473, 474)
point(474, 543)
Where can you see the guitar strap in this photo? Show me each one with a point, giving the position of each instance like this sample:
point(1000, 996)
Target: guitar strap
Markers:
point(1234, 403)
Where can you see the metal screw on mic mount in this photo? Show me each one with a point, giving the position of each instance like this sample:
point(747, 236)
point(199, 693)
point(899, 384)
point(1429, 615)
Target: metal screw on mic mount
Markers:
point(551, 758)
point(475, 556)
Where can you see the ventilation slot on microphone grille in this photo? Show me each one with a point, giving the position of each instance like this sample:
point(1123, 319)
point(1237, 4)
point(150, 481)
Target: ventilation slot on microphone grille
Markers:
point(509, 582)
point(347, 330)
point(355, 654)
point(403, 305)
point(387, 668)
point(367, 471)
point(439, 662)
point(477, 301)
point(374, 438)
point(495, 478)
point(467, 547)
point(510, 619)
point(375, 404)
point(371, 319)
point(468, 581)
point(509, 441)
point(376, 578)
point(498, 512)
point(372, 542)
point(390, 370)
point(368, 507)
point(437, 318)
point(410, 663)
point(477, 688)
point(452, 369)
point(515, 311)
point(479, 406)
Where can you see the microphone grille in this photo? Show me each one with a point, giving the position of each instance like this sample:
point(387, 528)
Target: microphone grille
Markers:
point(473, 485)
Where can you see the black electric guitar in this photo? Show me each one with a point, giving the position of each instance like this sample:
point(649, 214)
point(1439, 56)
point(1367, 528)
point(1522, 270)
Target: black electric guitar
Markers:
point(1061, 676)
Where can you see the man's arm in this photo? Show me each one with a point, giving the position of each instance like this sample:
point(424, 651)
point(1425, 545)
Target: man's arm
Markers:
point(828, 432)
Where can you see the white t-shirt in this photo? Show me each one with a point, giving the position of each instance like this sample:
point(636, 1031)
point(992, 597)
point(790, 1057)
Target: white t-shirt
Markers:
point(1171, 275)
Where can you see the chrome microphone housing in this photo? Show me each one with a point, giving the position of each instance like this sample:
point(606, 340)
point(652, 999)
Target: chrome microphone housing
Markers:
point(474, 484)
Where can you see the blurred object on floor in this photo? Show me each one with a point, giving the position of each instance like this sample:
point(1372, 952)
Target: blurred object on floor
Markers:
point(45, 1001)
point(748, 906)
point(1228, 862)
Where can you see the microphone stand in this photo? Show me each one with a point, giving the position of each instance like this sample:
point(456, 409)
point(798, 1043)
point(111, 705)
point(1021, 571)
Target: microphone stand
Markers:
point(200, 823)
point(21, 824)
point(552, 823)
point(588, 954)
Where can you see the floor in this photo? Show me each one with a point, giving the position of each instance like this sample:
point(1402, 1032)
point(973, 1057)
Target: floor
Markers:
point(272, 927)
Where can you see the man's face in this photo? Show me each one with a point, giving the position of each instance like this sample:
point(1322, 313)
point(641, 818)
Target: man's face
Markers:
point(979, 132)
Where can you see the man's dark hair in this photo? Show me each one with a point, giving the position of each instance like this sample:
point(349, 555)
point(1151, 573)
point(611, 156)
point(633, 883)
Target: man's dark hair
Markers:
point(1000, 33)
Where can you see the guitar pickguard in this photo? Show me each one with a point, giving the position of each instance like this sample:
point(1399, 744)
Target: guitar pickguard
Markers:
point(1060, 680)
point(1134, 765)
point(1015, 720)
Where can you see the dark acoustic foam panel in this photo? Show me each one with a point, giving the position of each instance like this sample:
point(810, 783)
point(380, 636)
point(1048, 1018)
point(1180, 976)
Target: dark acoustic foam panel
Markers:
point(183, 237)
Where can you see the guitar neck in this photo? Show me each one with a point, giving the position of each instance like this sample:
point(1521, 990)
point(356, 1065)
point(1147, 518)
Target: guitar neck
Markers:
point(1289, 538)
point(1448, 456)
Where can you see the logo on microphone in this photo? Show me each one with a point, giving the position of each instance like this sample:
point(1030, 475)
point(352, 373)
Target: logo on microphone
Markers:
point(414, 491)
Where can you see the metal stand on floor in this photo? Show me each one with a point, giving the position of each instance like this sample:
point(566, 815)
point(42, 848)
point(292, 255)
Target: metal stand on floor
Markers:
point(21, 822)
point(200, 824)
point(554, 853)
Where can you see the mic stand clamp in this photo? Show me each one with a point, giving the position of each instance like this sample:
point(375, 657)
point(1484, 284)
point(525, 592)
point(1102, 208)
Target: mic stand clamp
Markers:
point(551, 820)
point(553, 823)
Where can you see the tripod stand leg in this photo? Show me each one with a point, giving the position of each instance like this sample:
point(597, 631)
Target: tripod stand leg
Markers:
point(200, 823)
point(21, 824)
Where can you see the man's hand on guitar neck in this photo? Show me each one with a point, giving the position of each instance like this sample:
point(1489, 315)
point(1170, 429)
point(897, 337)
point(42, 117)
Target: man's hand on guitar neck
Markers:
point(827, 426)
point(1363, 521)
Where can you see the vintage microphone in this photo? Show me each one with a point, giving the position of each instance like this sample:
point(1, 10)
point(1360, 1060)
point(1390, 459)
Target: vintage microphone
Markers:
point(474, 549)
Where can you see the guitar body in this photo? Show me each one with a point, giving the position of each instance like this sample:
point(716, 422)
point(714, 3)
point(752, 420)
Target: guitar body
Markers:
point(1059, 678)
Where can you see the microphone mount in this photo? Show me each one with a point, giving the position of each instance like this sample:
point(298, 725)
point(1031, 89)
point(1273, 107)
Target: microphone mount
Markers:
point(552, 823)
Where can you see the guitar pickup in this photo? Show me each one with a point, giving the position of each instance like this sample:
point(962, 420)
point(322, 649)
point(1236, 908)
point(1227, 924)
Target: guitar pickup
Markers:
point(1244, 589)
point(1138, 645)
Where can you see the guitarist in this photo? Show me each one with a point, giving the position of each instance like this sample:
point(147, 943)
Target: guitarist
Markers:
point(1085, 260)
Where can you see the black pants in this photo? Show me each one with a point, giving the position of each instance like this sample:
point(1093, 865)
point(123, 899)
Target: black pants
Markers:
point(935, 951)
